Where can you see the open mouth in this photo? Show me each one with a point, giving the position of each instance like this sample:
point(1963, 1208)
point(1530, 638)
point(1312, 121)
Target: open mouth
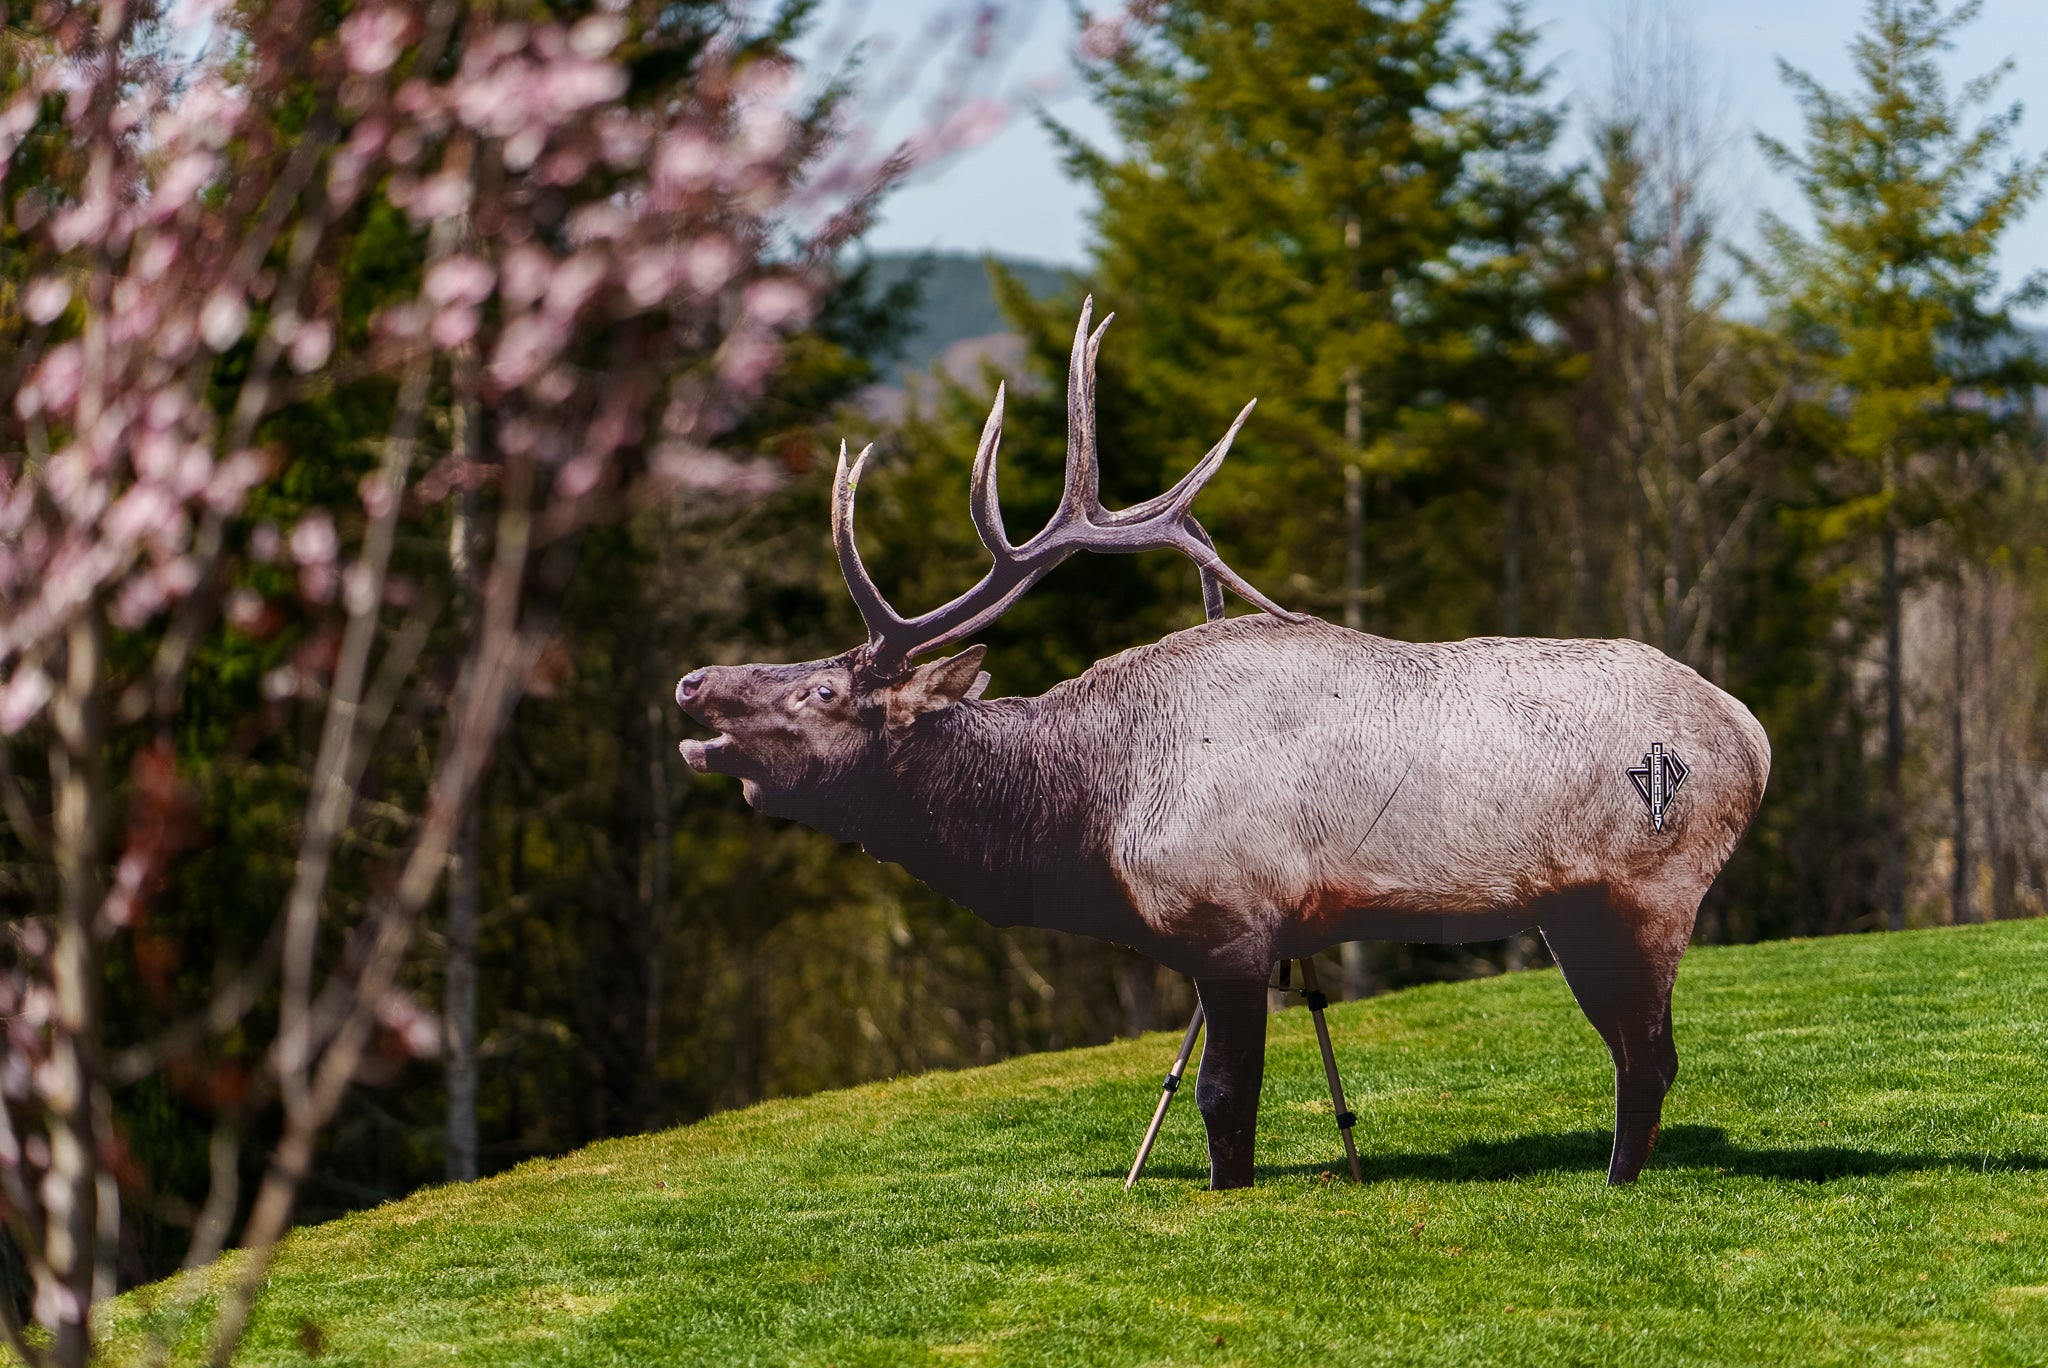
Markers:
point(701, 755)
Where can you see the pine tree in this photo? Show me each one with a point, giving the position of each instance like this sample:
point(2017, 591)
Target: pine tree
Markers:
point(1335, 209)
point(1893, 296)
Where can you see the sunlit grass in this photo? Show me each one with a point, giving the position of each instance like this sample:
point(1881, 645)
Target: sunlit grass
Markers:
point(1854, 1169)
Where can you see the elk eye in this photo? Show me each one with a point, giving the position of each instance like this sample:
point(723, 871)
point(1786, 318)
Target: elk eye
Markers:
point(825, 693)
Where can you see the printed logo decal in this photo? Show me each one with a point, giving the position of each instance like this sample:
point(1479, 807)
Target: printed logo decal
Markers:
point(1657, 780)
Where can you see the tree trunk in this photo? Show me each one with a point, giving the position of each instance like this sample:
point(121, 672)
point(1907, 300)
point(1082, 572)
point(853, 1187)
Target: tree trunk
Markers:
point(659, 914)
point(458, 1005)
point(71, 1190)
point(1511, 550)
point(1959, 763)
point(459, 1001)
point(1894, 740)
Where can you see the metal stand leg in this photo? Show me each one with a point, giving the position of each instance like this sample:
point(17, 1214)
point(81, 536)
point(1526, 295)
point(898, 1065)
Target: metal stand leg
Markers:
point(1313, 991)
point(1180, 1064)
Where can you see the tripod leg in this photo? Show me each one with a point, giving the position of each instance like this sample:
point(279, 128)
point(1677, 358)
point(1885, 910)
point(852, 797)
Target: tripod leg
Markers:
point(1345, 1119)
point(1180, 1064)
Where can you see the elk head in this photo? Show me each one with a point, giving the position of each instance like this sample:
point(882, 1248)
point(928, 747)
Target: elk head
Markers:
point(798, 735)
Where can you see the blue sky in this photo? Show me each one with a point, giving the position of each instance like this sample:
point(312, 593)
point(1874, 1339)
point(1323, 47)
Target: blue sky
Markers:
point(1009, 195)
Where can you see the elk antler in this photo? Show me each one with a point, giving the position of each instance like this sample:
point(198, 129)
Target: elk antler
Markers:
point(1080, 523)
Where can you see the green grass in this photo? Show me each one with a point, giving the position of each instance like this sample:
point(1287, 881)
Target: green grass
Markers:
point(1854, 1169)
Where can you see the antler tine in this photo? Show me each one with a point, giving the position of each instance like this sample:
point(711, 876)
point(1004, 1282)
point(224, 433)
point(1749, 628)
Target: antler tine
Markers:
point(1176, 501)
point(1083, 492)
point(1190, 537)
point(982, 502)
point(875, 611)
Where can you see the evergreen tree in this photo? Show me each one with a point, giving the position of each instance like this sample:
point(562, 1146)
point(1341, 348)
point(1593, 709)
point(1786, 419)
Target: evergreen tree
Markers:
point(1893, 297)
point(1343, 211)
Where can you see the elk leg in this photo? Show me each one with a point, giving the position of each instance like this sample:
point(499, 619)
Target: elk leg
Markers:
point(1620, 958)
point(1233, 1068)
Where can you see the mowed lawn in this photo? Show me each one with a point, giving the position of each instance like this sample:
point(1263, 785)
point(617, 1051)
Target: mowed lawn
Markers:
point(1854, 1169)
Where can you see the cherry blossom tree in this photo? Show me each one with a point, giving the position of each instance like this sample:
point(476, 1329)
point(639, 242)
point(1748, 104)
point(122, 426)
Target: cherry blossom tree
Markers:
point(608, 267)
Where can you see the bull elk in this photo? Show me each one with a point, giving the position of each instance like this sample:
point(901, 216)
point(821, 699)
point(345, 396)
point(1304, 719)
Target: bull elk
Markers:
point(1262, 787)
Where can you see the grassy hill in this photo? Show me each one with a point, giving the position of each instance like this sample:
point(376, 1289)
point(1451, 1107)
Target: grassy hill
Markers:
point(1854, 1170)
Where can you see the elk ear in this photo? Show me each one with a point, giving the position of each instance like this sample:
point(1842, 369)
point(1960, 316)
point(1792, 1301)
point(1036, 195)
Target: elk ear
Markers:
point(938, 685)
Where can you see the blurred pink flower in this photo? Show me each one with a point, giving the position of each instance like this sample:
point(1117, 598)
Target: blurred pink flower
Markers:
point(313, 539)
point(311, 346)
point(22, 698)
point(373, 37)
point(710, 261)
point(777, 302)
point(458, 280)
point(45, 298)
point(222, 320)
point(595, 37)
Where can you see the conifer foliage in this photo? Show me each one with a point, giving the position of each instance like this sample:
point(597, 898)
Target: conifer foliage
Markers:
point(1894, 301)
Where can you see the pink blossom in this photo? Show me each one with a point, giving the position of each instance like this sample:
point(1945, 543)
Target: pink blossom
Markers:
point(452, 327)
point(574, 282)
point(81, 223)
point(376, 493)
point(489, 102)
point(555, 386)
point(598, 223)
point(181, 181)
point(313, 540)
point(156, 455)
point(523, 148)
point(417, 1030)
point(373, 37)
point(142, 510)
point(458, 280)
point(710, 261)
point(571, 85)
point(232, 480)
point(244, 610)
point(140, 599)
point(526, 273)
point(194, 473)
point(264, 540)
point(22, 698)
point(403, 320)
point(440, 197)
point(281, 683)
point(596, 36)
point(686, 161)
point(745, 360)
point(622, 138)
point(578, 478)
point(777, 301)
point(222, 320)
point(523, 349)
point(45, 298)
point(55, 382)
point(309, 349)
point(652, 274)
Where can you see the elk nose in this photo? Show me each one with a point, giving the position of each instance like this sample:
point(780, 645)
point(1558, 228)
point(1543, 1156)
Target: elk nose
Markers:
point(689, 687)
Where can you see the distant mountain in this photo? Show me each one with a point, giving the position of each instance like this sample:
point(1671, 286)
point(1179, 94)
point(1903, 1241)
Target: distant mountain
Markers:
point(955, 302)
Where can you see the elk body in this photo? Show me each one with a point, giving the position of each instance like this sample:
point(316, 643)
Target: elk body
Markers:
point(1261, 788)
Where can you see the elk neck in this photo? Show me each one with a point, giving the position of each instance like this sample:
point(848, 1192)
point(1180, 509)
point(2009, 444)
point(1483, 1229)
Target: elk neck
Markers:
point(977, 799)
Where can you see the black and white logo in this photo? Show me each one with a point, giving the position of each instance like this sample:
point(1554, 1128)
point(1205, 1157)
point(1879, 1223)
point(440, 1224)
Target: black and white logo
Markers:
point(1657, 780)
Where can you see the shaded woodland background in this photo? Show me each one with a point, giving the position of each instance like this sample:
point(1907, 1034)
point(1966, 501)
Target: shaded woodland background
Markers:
point(1499, 394)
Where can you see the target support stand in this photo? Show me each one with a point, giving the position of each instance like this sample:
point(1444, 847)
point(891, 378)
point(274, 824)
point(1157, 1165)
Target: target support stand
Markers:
point(1312, 992)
